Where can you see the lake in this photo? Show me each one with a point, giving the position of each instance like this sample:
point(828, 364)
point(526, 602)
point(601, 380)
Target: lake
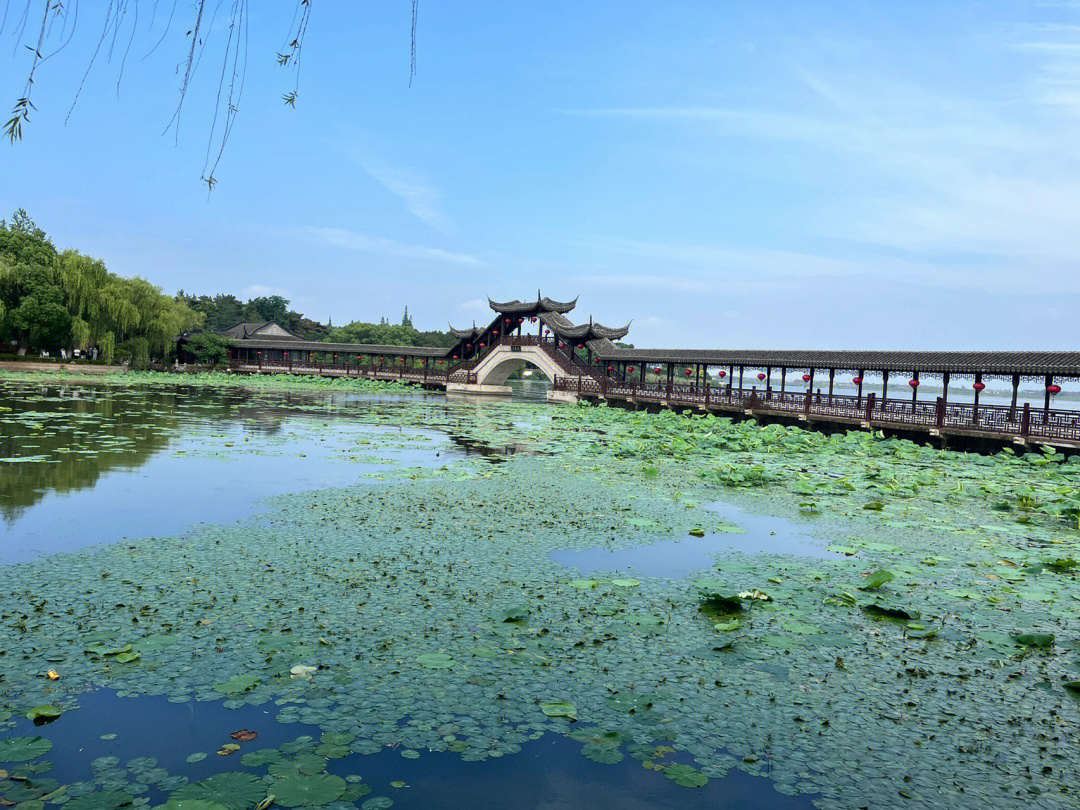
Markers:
point(361, 595)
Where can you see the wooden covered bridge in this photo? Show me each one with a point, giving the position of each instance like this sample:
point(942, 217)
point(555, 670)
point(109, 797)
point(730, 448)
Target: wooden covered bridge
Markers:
point(828, 389)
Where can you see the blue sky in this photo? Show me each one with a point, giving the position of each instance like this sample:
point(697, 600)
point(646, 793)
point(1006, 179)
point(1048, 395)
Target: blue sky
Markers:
point(818, 175)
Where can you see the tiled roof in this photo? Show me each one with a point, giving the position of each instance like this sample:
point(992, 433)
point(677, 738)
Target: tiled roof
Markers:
point(1024, 363)
point(541, 304)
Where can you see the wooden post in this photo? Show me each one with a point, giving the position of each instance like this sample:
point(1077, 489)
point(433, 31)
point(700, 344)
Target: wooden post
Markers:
point(1046, 387)
point(783, 379)
point(884, 387)
point(914, 391)
point(870, 407)
point(768, 382)
point(832, 377)
point(975, 407)
point(1025, 421)
point(940, 414)
point(1015, 391)
point(740, 378)
point(945, 387)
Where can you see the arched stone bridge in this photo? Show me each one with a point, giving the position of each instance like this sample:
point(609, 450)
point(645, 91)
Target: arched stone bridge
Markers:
point(585, 361)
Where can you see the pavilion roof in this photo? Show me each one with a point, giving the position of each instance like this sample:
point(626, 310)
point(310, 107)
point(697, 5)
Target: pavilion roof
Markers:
point(540, 305)
point(266, 329)
point(1004, 363)
point(468, 333)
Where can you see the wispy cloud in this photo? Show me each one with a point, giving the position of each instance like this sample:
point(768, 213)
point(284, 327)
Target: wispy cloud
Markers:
point(387, 247)
point(421, 199)
point(260, 291)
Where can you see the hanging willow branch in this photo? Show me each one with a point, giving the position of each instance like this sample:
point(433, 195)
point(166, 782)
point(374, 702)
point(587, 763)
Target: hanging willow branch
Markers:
point(58, 19)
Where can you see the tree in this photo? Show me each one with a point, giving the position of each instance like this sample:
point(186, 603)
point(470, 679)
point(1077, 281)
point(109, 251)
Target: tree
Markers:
point(208, 348)
point(44, 28)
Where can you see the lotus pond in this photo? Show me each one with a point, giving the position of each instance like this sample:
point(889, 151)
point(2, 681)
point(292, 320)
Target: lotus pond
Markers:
point(221, 597)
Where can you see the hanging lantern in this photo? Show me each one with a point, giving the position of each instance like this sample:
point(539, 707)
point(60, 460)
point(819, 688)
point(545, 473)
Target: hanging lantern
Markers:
point(1054, 389)
point(521, 320)
point(913, 383)
point(508, 320)
point(468, 345)
point(260, 354)
point(381, 359)
point(722, 374)
point(442, 362)
point(856, 380)
point(656, 370)
point(630, 369)
point(455, 357)
point(611, 368)
point(979, 386)
point(806, 378)
point(596, 361)
point(688, 372)
point(581, 345)
point(761, 375)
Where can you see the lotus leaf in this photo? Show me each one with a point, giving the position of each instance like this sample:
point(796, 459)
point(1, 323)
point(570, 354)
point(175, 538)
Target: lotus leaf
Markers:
point(436, 660)
point(305, 790)
point(23, 749)
point(686, 776)
point(238, 791)
point(559, 709)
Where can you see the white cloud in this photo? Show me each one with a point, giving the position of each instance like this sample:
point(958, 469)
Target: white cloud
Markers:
point(387, 247)
point(261, 291)
point(421, 199)
point(475, 305)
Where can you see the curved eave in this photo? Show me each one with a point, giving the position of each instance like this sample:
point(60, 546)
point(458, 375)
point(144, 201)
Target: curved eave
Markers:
point(539, 306)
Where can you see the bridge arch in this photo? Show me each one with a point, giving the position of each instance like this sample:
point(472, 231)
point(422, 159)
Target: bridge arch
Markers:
point(502, 361)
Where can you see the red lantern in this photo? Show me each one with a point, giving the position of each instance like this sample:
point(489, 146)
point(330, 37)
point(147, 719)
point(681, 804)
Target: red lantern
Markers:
point(468, 345)
point(455, 357)
point(581, 345)
point(913, 383)
point(335, 357)
point(856, 380)
point(806, 378)
point(381, 359)
point(1054, 389)
point(761, 375)
point(442, 362)
point(260, 354)
point(611, 368)
point(630, 369)
point(979, 386)
point(521, 320)
point(596, 361)
point(656, 370)
point(723, 374)
point(508, 320)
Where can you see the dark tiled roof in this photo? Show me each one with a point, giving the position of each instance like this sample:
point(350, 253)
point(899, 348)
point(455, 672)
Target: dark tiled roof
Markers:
point(340, 348)
point(541, 304)
point(264, 329)
point(466, 334)
point(1024, 363)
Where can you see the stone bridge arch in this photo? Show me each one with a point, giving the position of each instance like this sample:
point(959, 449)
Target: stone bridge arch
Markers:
point(502, 361)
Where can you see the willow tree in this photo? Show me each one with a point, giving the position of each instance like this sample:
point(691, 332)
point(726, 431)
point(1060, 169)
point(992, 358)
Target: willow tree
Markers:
point(45, 27)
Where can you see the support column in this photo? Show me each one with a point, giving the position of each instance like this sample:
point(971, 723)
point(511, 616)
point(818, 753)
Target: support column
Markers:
point(783, 378)
point(1046, 387)
point(945, 387)
point(884, 387)
point(975, 407)
point(832, 379)
point(1015, 391)
point(914, 391)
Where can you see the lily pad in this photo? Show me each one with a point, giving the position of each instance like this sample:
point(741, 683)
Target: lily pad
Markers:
point(435, 661)
point(559, 709)
point(308, 790)
point(24, 749)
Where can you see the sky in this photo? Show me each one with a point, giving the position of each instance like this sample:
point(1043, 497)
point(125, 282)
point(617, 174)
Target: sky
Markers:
point(725, 175)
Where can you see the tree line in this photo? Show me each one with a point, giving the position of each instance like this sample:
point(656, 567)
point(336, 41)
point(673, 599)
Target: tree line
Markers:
point(52, 300)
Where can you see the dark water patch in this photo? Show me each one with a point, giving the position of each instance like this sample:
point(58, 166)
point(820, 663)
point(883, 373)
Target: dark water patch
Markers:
point(761, 534)
point(549, 772)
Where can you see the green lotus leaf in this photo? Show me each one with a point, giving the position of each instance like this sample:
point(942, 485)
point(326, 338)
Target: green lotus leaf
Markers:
point(876, 580)
point(238, 684)
point(101, 800)
point(308, 790)
point(559, 709)
point(435, 660)
point(238, 791)
point(1043, 641)
point(686, 776)
point(23, 749)
point(43, 714)
point(303, 763)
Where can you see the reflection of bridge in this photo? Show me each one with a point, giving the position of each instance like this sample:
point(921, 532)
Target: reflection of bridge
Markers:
point(583, 362)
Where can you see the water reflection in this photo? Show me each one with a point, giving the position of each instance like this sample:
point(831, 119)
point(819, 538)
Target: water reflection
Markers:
point(84, 465)
point(547, 773)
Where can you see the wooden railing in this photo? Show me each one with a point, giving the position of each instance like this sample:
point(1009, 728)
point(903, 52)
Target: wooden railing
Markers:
point(1000, 420)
